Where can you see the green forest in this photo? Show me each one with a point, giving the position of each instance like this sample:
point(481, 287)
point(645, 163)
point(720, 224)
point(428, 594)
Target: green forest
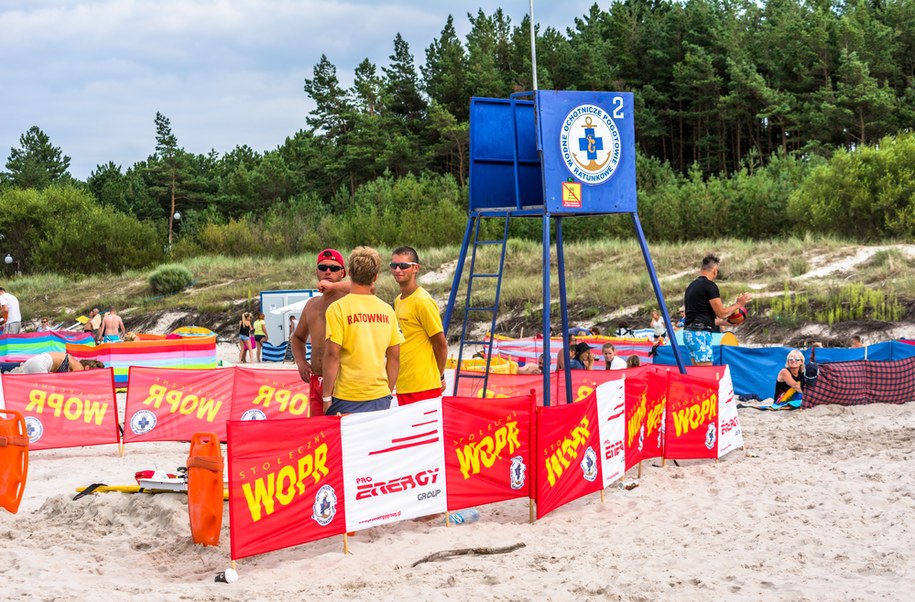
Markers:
point(753, 120)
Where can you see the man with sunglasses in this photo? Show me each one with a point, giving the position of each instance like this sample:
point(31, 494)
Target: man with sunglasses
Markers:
point(424, 351)
point(330, 269)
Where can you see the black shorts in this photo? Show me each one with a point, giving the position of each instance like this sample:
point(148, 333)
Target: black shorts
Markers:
point(259, 337)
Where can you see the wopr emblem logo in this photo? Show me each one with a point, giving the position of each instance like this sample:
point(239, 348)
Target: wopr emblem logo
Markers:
point(253, 414)
point(33, 428)
point(518, 471)
point(710, 435)
point(589, 465)
point(590, 144)
point(142, 422)
point(325, 506)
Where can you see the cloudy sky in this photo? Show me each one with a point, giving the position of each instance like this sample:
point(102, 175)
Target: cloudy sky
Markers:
point(92, 73)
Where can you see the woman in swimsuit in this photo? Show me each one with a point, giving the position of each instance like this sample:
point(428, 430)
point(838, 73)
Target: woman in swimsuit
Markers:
point(791, 377)
point(245, 329)
point(56, 361)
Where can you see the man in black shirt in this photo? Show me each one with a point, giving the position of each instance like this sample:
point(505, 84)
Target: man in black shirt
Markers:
point(703, 306)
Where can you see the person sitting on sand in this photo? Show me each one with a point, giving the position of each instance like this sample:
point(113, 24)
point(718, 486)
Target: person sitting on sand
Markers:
point(581, 357)
point(791, 377)
point(57, 361)
point(531, 367)
point(682, 321)
point(611, 360)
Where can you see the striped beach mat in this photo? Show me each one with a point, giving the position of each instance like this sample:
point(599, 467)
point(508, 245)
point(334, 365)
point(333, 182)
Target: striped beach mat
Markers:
point(274, 353)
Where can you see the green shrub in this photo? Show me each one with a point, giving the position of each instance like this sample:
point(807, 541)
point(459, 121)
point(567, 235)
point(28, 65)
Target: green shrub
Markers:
point(232, 240)
point(170, 278)
point(62, 229)
point(867, 193)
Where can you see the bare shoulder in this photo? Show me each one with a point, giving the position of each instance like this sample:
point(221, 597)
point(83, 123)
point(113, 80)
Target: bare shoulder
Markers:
point(321, 303)
point(314, 305)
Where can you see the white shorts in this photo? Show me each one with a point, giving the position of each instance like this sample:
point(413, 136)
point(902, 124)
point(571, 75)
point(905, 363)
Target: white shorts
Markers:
point(40, 364)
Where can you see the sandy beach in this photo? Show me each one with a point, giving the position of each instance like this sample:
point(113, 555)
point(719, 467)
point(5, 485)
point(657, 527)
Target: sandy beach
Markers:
point(822, 512)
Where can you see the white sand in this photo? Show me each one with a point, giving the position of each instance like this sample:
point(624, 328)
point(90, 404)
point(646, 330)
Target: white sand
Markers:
point(824, 513)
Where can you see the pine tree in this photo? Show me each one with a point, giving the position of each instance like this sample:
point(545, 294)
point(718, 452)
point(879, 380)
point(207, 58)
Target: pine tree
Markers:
point(401, 86)
point(367, 91)
point(445, 72)
point(862, 102)
point(332, 109)
point(38, 163)
point(168, 168)
point(489, 66)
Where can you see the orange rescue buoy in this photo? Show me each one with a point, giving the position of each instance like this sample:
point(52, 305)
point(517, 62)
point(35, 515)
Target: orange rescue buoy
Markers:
point(204, 488)
point(14, 459)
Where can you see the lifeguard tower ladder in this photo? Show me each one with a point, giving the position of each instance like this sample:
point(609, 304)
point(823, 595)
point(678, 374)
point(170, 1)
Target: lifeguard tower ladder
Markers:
point(548, 155)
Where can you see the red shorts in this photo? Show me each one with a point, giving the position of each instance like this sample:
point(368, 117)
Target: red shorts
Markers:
point(315, 395)
point(404, 399)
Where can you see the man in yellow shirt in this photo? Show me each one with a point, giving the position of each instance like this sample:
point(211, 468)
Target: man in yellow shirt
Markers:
point(425, 350)
point(362, 343)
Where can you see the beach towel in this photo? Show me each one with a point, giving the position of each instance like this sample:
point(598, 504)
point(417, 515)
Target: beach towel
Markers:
point(790, 400)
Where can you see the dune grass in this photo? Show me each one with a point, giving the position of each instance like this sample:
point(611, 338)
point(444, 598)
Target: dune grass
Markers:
point(601, 277)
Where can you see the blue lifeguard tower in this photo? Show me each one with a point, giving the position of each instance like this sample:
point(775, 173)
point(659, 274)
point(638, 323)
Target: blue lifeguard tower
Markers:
point(548, 155)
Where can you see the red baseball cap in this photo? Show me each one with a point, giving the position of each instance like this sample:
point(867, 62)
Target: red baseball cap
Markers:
point(331, 254)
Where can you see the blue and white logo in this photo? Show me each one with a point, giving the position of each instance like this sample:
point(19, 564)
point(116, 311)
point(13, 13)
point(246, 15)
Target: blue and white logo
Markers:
point(518, 471)
point(710, 435)
point(590, 144)
point(142, 422)
point(325, 506)
point(589, 465)
point(33, 428)
point(254, 414)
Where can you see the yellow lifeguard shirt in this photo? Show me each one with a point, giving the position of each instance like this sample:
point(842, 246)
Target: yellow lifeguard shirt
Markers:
point(419, 319)
point(364, 326)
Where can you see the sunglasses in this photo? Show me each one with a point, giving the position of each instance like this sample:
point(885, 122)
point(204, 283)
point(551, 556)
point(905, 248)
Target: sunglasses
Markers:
point(329, 268)
point(793, 359)
point(402, 265)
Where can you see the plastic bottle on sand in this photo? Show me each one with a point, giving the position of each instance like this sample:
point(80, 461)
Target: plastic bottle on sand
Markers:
point(466, 516)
